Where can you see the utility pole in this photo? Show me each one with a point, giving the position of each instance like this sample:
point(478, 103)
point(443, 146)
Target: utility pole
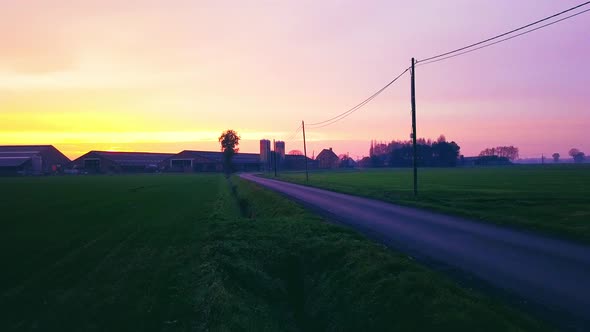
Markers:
point(270, 156)
point(275, 155)
point(413, 93)
point(305, 151)
point(269, 163)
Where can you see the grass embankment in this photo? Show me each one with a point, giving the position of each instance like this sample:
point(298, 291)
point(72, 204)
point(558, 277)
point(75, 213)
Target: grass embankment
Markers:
point(151, 253)
point(554, 199)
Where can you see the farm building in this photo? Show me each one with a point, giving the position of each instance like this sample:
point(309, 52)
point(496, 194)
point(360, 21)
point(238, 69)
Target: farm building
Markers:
point(265, 154)
point(297, 162)
point(116, 162)
point(327, 159)
point(484, 161)
point(209, 161)
point(31, 159)
point(246, 162)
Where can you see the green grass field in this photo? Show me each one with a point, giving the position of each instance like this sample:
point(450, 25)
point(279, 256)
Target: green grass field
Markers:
point(554, 199)
point(195, 252)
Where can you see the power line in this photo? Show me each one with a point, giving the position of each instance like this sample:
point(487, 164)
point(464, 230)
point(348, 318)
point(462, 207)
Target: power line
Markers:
point(294, 134)
point(501, 40)
point(448, 55)
point(503, 34)
point(451, 54)
point(359, 105)
point(345, 114)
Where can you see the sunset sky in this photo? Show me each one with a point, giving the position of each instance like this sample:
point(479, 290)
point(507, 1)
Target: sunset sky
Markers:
point(165, 76)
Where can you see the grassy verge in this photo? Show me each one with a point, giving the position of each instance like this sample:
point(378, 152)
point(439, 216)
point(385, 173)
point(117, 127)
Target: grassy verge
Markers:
point(338, 280)
point(167, 253)
point(554, 199)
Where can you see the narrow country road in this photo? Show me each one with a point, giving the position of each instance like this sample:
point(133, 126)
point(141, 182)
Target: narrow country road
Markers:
point(551, 274)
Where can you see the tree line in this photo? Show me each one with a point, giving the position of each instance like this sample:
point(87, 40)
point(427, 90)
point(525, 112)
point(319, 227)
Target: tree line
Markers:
point(508, 152)
point(398, 153)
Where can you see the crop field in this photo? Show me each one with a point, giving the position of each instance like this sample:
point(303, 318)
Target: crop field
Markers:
point(554, 199)
point(200, 252)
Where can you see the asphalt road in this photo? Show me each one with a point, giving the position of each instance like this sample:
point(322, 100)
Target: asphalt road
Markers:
point(551, 274)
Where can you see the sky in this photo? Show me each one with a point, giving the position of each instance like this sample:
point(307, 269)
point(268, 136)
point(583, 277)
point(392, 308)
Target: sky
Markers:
point(164, 76)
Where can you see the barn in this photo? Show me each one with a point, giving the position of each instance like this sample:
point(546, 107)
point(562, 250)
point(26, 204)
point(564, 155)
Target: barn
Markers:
point(119, 162)
point(210, 161)
point(31, 160)
point(298, 162)
point(246, 162)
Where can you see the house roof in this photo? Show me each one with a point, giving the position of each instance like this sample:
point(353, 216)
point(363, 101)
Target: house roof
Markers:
point(129, 158)
point(216, 156)
point(25, 148)
point(471, 158)
point(293, 157)
point(326, 153)
point(246, 158)
point(48, 151)
point(18, 154)
point(13, 161)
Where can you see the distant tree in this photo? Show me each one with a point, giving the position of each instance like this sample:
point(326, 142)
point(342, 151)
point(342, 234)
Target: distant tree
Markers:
point(556, 157)
point(509, 152)
point(229, 141)
point(441, 139)
point(444, 153)
point(577, 155)
point(295, 153)
point(488, 152)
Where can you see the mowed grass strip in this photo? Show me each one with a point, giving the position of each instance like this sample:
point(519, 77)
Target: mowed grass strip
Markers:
point(554, 199)
point(196, 252)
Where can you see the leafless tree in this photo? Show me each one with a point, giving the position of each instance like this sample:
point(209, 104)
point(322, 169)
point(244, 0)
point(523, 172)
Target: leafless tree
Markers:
point(510, 152)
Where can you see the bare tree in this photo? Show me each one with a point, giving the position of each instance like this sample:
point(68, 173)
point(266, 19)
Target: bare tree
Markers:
point(510, 152)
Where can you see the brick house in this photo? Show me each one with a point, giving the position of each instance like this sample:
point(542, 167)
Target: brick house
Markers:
point(327, 159)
